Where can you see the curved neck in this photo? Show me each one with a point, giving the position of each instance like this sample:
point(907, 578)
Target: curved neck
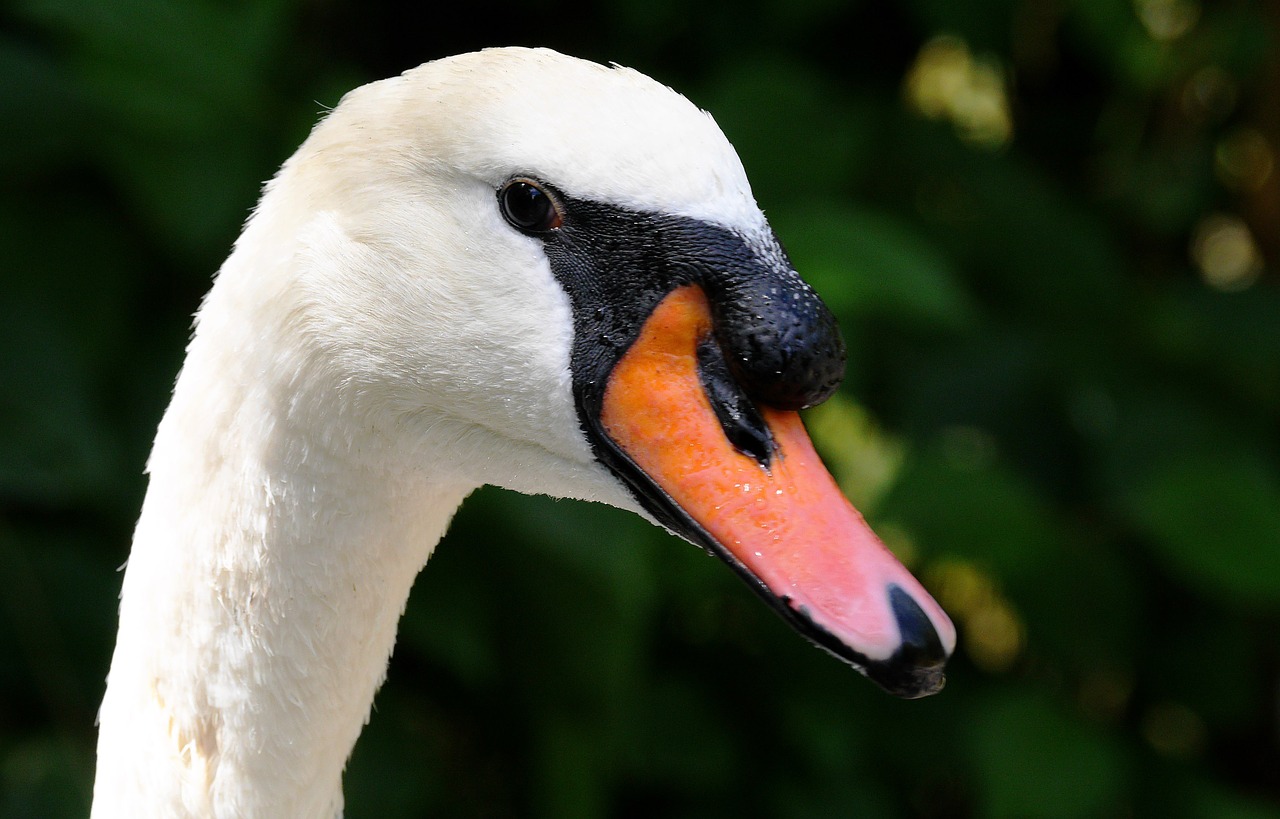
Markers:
point(269, 569)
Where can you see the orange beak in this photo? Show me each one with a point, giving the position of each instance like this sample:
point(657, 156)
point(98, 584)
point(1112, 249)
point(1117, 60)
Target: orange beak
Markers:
point(784, 526)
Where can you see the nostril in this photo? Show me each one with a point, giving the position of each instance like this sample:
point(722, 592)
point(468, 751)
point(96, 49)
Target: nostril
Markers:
point(739, 419)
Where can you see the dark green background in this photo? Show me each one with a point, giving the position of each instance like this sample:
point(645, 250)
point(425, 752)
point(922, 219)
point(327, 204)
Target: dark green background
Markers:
point(1071, 436)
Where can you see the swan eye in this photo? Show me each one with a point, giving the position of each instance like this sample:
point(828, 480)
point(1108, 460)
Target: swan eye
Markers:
point(529, 206)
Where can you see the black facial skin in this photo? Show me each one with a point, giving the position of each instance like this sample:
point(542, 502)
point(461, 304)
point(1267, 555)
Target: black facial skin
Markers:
point(774, 344)
point(779, 341)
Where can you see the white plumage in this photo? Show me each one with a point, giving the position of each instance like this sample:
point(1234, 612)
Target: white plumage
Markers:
point(379, 344)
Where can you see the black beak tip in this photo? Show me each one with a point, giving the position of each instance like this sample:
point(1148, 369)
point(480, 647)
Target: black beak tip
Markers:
point(916, 669)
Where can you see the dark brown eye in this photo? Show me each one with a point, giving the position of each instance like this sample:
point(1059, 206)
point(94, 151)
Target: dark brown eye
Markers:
point(529, 206)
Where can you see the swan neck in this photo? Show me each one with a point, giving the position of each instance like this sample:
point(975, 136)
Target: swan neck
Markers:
point(269, 569)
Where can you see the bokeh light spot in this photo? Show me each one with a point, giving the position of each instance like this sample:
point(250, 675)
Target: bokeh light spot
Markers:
point(1167, 20)
point(947, 82)
point(1209, 95)
point(1173, 729)
point(994, 635)
point(1243, 160)
point(1225, 252)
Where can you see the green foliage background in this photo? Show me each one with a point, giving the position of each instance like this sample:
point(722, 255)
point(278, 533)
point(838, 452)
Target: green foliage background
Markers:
point(1070, 432)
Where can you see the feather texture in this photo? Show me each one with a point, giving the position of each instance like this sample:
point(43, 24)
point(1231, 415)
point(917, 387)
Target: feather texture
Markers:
point(378, 344)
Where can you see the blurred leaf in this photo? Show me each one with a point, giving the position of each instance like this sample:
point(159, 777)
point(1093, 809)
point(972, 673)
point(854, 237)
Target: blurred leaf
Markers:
point(43, 108)
point(1217, 802)
point(956, 499)
point(43, 778)
point(809, 117)
point(836, 796)
point(51, 622)
point(182, 97)
point(1084, 608)
point(981, 24)
point(1146, 424)
point(1211, 664)
point(69, 263)
point(867, 264)
point(1036, 250)
point(1034, 760)
point(454, 623)
point(173, 66)
point(1231, 339)
point(403, 763)
point(1216, 523)
point(681, 741)
point(571, 774)
point(1178, 792)
point(1162, 187)
point(194, 193)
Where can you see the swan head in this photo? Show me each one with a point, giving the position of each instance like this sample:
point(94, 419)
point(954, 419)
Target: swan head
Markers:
point(551, 275)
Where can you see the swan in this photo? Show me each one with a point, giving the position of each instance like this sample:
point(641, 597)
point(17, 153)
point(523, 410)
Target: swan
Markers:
point(510, 267)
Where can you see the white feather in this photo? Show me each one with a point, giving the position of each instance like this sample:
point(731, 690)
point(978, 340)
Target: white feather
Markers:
point(378, 344)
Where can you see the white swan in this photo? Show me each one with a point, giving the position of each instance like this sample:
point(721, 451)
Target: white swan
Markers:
point(510, 267)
